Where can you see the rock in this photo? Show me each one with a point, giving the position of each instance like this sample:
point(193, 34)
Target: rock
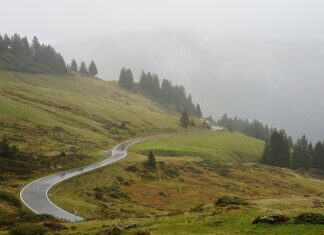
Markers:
point(116, 230)
point(274, 219)
point(130, 226)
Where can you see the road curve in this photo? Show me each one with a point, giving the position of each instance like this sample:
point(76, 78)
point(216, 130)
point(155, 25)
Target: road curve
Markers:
point(34, 194)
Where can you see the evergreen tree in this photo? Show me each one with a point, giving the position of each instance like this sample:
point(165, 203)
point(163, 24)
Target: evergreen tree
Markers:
point(318, 160)
point(126, 79)
point(301, 157)
point(198, 111)
point(151, 161)
point(276, 151)
point(83, 68)
point(184, 120)
point(26, 47)
point(93, 69)
point(74, 66)
point(36, 49)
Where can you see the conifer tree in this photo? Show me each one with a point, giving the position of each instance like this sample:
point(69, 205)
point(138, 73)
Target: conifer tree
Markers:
point(198, 111)
point(318, 160)
point(126, 79)
point(36, 49)
point(74, 66)
point(151, 161)
point(276, 151)
point(83, 68)
point(184, 120)
point(93, 69)
point(301, 157)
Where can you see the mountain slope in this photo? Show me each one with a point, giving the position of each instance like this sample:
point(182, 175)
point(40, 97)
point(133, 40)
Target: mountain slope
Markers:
point(56, 113)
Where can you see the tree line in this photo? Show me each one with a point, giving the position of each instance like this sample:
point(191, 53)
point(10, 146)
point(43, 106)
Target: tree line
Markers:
point(253, 128)
point(302, 155)
point(17, 54)
point(279, 149)
point(164, 93)
point(83, 69)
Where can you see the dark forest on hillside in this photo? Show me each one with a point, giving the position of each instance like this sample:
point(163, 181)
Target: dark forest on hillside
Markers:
point(165, 93)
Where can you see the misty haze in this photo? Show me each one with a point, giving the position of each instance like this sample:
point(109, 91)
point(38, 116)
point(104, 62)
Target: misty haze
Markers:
point(191, 109)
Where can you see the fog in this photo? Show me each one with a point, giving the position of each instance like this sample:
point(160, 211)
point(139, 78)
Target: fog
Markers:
point(255, 58)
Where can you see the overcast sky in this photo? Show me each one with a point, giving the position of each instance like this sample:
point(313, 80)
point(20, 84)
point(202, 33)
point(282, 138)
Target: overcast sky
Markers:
point(59, 20)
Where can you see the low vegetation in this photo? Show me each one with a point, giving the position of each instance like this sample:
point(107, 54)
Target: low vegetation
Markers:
point(184, 195)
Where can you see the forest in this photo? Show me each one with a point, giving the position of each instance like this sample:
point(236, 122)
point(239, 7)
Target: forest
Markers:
point(164, 93)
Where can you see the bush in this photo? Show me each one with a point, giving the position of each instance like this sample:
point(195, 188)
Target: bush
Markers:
point(151, 161)
point(310, 218)
point(28, 229)
point(53, 225)
point(9, 198)
point(225, 201)
point(28, 216)
point(170, 171)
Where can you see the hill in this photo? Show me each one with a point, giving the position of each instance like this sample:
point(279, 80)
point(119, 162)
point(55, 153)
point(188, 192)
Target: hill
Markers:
point(179, 197)
point(59, 122)
point(61, 113)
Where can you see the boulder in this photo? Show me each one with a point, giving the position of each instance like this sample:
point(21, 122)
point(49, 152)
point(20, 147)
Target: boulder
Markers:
point(273, 219)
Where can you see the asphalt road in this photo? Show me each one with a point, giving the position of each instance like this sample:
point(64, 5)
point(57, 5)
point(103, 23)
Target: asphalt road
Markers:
point(34, 195)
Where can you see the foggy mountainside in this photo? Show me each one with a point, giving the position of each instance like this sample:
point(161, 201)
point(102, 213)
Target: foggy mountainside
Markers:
point(141, 117)
point(279, 82)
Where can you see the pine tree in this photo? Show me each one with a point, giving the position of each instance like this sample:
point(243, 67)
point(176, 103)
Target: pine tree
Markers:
point(36, 49)
point(184, 120)
point(151, 161)
point(276, 151)
point(26, 47)
point(198, 111)
point(74, 66)
point(93, 69)
point(83, 68)
point(301, 157)
point(318, 160)
point(126, 79)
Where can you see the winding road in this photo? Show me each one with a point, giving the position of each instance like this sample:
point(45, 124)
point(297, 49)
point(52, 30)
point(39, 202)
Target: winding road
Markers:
point(35, 194)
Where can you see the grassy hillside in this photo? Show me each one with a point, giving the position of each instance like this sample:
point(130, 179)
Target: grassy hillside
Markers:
point(188, 167)
point(224, 147)
point(44, 113)
point(178, 197)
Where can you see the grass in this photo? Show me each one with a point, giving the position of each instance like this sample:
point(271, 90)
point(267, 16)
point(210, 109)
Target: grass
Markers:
point(162, 202)
point(55, 113)
point(47, 114)
point(224, 147)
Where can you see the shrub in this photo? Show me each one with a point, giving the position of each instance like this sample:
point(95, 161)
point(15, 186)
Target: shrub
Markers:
point(28, 229)
point(9, 198)
point(151, 161)
point(28, 216)
point(310, 218)
point(224, 201)
point(53, 225)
